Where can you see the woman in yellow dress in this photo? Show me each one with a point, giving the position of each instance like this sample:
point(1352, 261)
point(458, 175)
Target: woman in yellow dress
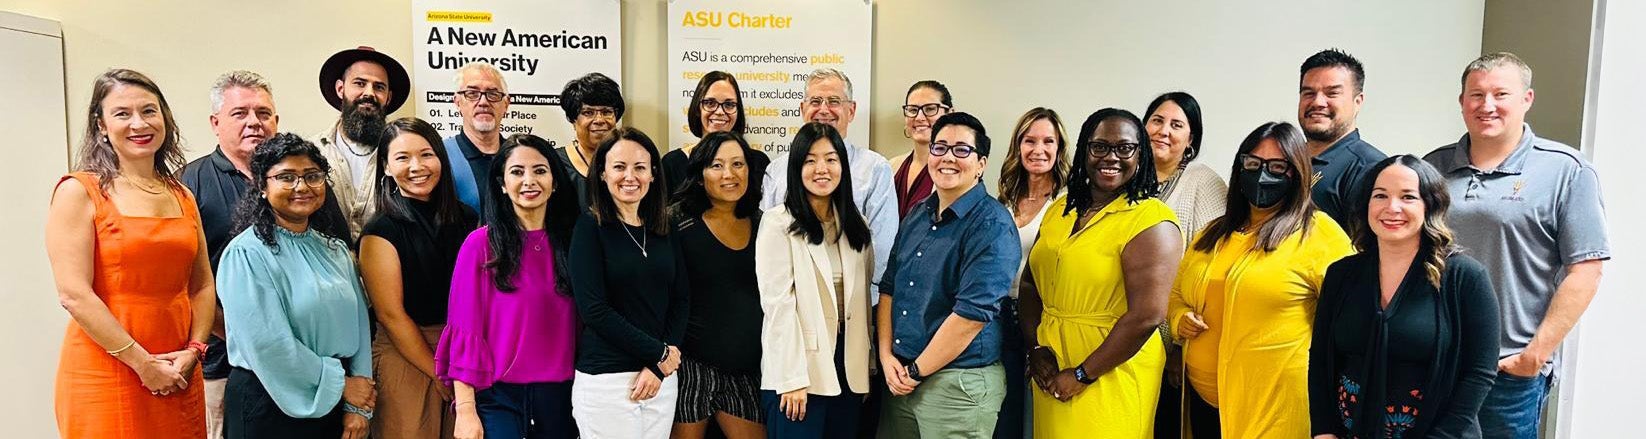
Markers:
point(1244, 302)
point(1096, 288)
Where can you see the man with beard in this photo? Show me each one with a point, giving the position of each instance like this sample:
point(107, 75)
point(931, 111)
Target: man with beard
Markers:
point(593, 104)
point(366, 85)
point(482, 96)
point(1328, 100)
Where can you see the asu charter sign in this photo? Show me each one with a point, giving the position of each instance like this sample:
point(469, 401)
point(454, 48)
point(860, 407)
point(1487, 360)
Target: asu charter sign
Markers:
point(771, 47)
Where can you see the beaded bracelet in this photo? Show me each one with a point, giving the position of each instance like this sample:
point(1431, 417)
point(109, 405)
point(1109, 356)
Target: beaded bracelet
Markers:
point(350, 408)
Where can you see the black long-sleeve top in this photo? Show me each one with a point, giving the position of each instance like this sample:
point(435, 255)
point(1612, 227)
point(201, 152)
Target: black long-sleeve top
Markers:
point(630, 304)
point(1419, 367)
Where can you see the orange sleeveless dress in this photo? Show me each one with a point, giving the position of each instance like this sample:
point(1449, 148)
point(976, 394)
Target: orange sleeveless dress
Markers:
point(141, 271)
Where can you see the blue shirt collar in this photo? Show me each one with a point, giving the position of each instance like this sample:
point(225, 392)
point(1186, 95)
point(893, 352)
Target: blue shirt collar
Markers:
point(967, 203)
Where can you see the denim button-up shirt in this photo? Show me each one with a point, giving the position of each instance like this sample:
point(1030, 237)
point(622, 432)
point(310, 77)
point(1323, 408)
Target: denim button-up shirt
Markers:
point(958, 261)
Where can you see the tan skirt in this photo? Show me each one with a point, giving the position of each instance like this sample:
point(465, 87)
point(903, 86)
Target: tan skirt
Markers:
point(409, 404)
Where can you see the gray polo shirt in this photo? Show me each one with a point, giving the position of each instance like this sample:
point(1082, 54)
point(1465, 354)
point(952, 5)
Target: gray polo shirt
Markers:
point(1527, 220)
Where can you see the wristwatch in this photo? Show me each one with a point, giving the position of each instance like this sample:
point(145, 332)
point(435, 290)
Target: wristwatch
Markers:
point(914, 371)
point(1080, 375)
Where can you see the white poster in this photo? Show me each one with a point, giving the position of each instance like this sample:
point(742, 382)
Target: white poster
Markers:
point(771, 47)
point(538, 45)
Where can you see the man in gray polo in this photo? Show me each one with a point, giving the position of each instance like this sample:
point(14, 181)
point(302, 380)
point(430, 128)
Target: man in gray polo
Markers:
point(1530, 209)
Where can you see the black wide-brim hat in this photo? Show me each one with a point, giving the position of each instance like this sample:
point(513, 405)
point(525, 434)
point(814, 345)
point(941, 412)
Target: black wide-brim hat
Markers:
point(333, 69)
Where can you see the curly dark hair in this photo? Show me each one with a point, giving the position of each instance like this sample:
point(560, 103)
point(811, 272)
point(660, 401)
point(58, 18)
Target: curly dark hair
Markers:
point(1143, 184)
point(254, 210)
point(692, 199)
point(505, 234)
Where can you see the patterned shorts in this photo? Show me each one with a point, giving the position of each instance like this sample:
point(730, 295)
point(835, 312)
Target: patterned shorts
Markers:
point(706, 389)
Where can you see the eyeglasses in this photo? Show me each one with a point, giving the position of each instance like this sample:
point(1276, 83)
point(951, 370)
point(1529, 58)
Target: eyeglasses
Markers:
point(930, 110)
point(1273, 166)
point(831, 102)
point(288, 180)
point(960, 151)
point(708, 105)
point(1121, 150)
point(592, 112)
point(491, 95)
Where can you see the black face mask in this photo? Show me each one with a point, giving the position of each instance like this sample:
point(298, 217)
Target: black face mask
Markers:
point(1262, 188)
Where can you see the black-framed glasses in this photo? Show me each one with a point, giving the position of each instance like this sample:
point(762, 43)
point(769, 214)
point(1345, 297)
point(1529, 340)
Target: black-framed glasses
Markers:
point(1272, 166)
point(1121, 150)
point(960, 151)
point(708, 105)
point(490, 95)
point(930, 110)
point(288, 180)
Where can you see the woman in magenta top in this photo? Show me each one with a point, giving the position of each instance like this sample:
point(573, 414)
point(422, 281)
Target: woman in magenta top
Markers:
point(511, 326)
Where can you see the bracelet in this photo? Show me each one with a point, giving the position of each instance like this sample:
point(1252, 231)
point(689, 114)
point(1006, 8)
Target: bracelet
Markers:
point(116, 352)
point(350, 408)
point(198, 348)
point(665, 356)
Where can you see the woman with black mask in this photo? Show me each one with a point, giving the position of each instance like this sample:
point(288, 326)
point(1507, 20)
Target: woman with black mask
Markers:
point(1246, 291)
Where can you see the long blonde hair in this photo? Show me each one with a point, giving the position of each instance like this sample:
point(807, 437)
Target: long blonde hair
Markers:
point(1014, 180)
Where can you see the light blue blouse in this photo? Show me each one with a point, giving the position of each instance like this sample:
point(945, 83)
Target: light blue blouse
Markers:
point(296, 316)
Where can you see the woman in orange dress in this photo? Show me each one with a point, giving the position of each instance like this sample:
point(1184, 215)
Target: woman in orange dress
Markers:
point(129, 259)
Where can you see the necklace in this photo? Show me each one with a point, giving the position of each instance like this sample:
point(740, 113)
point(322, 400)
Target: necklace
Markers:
point(641, 243)
point(350, 146)
point(133, 183)
point(580, 156)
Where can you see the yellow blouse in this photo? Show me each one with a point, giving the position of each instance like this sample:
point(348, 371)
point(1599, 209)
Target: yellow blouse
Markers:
point(1260, 360)
point(1083, 293)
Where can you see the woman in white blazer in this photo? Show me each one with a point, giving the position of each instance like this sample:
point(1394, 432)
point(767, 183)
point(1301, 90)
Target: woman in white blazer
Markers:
point(813, 257)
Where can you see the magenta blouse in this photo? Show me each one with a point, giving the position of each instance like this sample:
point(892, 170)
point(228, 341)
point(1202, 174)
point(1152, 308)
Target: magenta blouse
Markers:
point(520, 337)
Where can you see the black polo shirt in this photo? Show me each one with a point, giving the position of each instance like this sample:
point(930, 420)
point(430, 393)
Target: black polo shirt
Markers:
point(217, 187)
point(1338, 172)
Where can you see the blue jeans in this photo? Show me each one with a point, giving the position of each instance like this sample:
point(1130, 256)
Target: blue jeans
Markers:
point(536, 410)
point(1514, 407)
point(827, 417)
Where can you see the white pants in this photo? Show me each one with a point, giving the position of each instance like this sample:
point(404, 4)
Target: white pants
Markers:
point(601, 406)
point(214, 407)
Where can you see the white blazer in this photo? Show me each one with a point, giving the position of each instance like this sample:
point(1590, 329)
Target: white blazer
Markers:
point(797, 335)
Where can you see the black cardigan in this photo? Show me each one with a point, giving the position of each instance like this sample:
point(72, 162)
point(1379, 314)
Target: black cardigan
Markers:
point(1465, 357)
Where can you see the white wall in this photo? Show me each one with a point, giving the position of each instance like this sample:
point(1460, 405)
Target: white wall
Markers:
point(1239, 58)
point(32, 78)
point(1610, 358)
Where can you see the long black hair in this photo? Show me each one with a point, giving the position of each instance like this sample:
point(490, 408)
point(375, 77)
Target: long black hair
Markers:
point(692, 199)
point(254, 210)
point(653, 211)
point(1436, 237)
point(1143, 183)
point(389, 201)
point(1295, 212)
point(798, 201)
point(504, 232)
